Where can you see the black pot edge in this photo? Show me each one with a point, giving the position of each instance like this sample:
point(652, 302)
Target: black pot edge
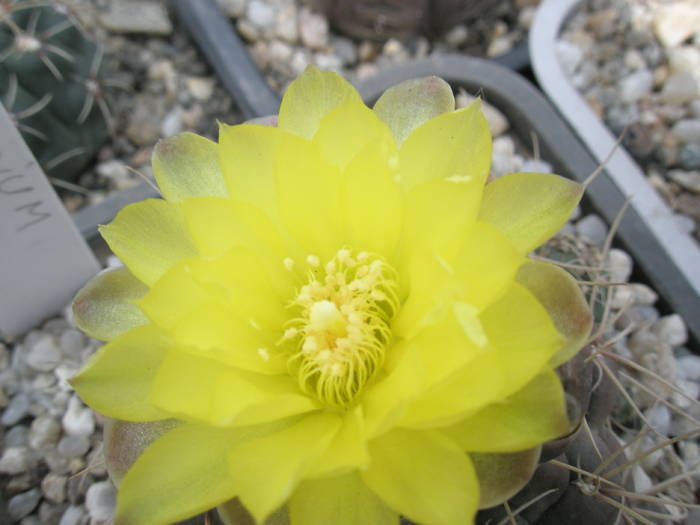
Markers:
point(529, 111)
point(678, 283)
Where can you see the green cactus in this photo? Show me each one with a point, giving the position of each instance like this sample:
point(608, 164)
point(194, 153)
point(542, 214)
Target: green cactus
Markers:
point(52, 85)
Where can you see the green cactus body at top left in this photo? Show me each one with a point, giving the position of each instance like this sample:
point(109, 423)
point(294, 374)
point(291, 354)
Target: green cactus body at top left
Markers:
point(50, 82)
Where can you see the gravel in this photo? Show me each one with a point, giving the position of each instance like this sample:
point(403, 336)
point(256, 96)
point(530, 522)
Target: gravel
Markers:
point(638, 65)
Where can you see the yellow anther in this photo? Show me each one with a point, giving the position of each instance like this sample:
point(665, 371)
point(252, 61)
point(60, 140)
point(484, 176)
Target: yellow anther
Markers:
point(288, 263)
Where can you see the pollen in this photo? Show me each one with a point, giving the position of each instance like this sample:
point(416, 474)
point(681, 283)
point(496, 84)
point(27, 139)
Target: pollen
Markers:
point(341, 326)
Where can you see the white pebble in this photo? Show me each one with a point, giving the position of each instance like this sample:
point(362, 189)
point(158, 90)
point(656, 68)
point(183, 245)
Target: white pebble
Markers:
point(689, 367)
point(44, 355)
point(671, 329)
point(636, 85)
point(619, 265)
point(15, 460)
point(100, 500)
point(78, 420)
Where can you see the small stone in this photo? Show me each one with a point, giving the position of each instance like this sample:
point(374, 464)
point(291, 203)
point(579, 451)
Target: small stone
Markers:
point(17, 436)
point(679, 88)
point(328, 61)
point(676, 21)
point(499, 46)
point(393, 48)
point(367, 51)
point(232, 8)
point(54, 487)
point(144, 119)
point(671, 329)
point(345, 49)
point(260, 14)
point(137, 16)
point(117, 172)
point(71, 342)
point(689, 367)
point(690, 391)
point(15, 460)
point(687, 130)
point(44, 355)
point(16, 410)
point(286, 25)
point(623, 296)
point(279, 54)
point(643, 294)
point(247, 30)
point(503, 157)
point(641, 479)
point(690, 180)
point(619, 265)
point(44, 432)
point(634, 59)
point(100, 501)
point(313, 29)
point(73, 516)
point(660, 418)
point(201, 88)
point(536, 166)
point(656, 356)
point(593, 228)
point(78, 419)
point(684, 59)
point(569, 55)
point(22, 504)
point(636, 85)
point(526, 16)
point(74, 446)
point(457, 36)
point(689, 157)
point(172, 123)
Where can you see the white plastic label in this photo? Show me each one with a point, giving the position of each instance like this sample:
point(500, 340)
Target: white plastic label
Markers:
point(43, 258)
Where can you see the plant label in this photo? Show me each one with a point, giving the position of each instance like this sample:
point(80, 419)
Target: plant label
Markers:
point(43, 258)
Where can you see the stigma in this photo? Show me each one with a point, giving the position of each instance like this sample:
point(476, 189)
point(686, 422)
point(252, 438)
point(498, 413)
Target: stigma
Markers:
point(341, 326)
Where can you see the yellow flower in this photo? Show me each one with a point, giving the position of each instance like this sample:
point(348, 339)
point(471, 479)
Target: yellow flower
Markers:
point(335, 316)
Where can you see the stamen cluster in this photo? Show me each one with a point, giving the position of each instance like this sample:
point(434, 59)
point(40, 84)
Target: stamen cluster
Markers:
point(343, 329)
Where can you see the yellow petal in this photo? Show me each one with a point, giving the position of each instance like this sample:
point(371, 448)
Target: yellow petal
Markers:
point(117, 378)
point(347, 129)
point(104, 308)
point(438, 216)
point(465, 391)
point(247, 154)
point(479, 274)
point(561, 296)
point(486, 265)
point(203, 390)
point(522, 335)
point(501, 476)
point(248, 285)
point(529, 207)
point(386, 401)
point(310, 97)
point(340, 500)
point(348, 449)
point(216, 332)
point(371, 203)
point(216, 225)
point(423, 476)
point(149, 237)
point(413, 102)
point(183, 473)
point(454, 146)
point(533, 415)
point(174, 295)
point(266, 470)
point(187, 165)
point(308, 198)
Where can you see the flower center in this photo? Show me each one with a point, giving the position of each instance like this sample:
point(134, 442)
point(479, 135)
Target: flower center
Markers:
point(342, 329)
